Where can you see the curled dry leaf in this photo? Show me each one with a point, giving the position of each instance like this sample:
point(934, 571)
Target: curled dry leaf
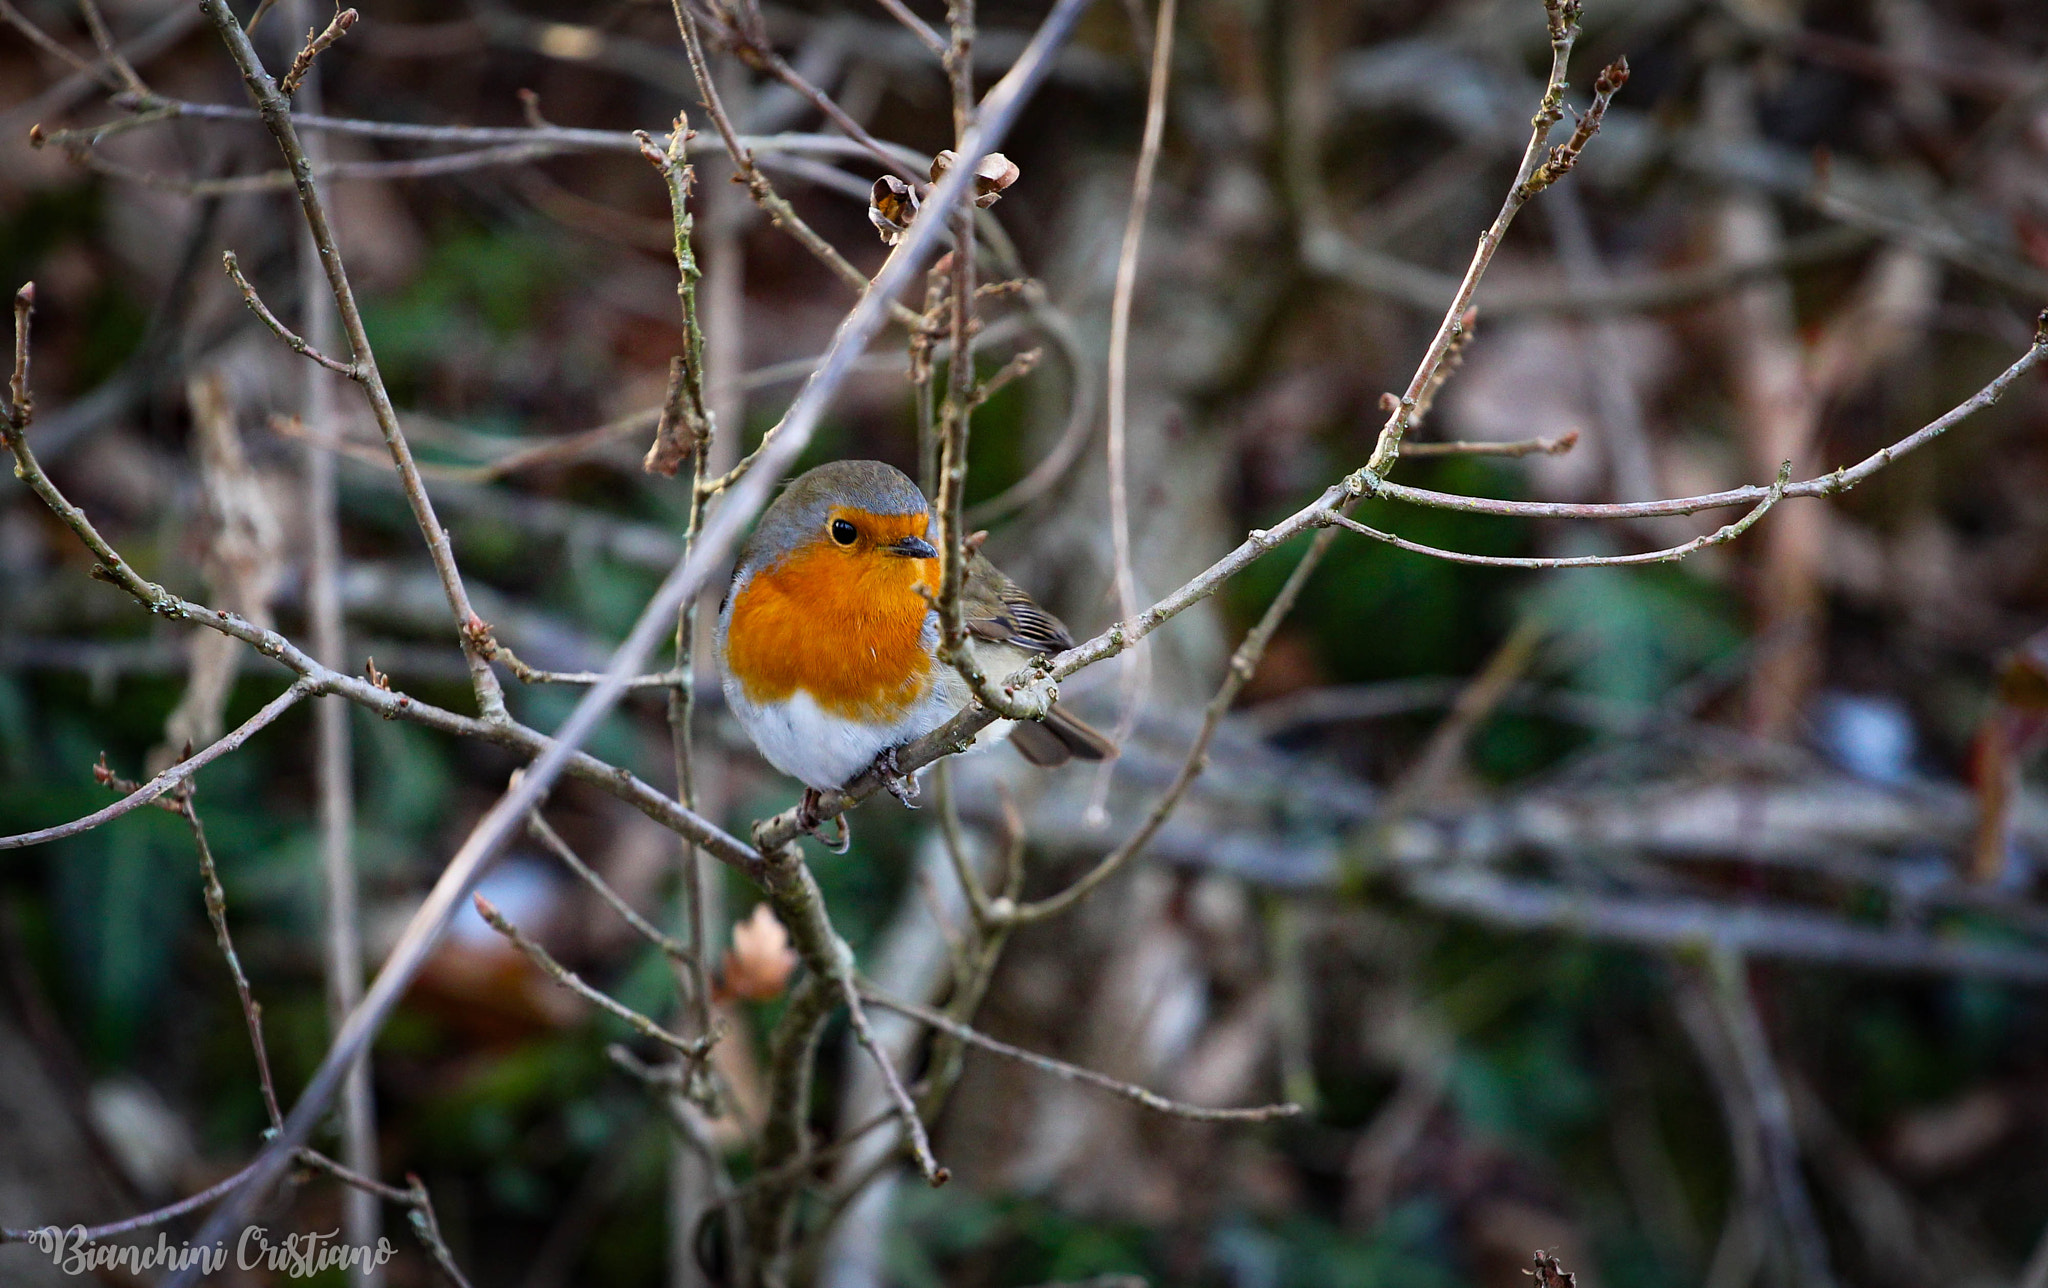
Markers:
point(891, 207)
point(759, 963)
point(995, 173)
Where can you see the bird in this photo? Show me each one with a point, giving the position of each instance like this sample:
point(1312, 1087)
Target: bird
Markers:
point(828, 637)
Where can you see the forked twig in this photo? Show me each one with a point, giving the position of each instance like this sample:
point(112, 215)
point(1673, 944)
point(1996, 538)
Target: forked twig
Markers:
point(316, 44)
point(170, 780)
point(278, 328)
point(1720, 536)
point(276, 114)
point(1564, 32)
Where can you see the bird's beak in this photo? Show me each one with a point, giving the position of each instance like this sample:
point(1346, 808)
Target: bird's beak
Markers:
point(913, 548)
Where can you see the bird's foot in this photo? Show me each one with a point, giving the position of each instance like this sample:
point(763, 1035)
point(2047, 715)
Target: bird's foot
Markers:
point(901, 785)
point(810, 818)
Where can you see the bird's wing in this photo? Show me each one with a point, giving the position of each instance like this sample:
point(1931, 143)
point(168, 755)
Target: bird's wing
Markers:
point(999, 612)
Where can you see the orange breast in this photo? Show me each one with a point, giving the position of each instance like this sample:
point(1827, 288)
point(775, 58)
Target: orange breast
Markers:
point(843, 626)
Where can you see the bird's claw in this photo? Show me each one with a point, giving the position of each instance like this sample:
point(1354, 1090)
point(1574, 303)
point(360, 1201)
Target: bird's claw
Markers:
point(901, 785)
point(809, 818)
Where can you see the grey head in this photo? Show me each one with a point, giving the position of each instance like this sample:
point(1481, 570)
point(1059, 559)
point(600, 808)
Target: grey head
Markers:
point(806, 505)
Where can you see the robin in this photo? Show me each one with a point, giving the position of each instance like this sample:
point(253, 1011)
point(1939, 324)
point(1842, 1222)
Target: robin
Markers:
point(829, 637)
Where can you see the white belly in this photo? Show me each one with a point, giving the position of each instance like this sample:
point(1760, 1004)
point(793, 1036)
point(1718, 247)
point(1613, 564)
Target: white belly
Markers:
point(823, 750)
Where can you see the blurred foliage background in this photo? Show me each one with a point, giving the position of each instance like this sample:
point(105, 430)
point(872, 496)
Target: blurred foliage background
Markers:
point(1808, 227)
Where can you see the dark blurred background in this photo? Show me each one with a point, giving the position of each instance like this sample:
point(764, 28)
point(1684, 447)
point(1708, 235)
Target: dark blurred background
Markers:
point(1696, 940)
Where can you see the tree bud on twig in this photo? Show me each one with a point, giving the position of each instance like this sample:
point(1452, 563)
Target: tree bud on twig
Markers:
point(316, 43)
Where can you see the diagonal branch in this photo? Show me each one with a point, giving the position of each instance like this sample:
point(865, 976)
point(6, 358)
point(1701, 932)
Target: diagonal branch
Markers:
point(754, 49)
point(217, 914)
point(999, 109)
point(905, 1108)
point(1075, 1073)
point(692, 1048)
point(172, 779)
point(276, 114)
point(772, 203)
point(1534, 174)
point(1244, 663)
point(279, 329)
point(931, 39)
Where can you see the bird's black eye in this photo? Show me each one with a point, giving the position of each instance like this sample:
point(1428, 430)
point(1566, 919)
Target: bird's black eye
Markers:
point(844, 533)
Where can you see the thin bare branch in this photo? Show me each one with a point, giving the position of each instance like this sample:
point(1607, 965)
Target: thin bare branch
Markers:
point(1719, 536)
point(779, 211)
point(49, 44)
point(21, 401)
point(171, 779)
point(286, 180)
point(334, 767)
point(753, 49)
point(1557, 446)
point(470, 629)
point(547, 836)
point(1564, 31)
point(693, 1048)
point(1123, 576)
point(428, 1228)
point(892, 1082)
point(1074, 1073)
point(1073, 439)
point(217, 914)
point(685, 428)
point(279, 329)
point(1244, 663)
point(979, 904)
point(156, 109)
point(160, 1216)
point(931, 39)
point(110, 53)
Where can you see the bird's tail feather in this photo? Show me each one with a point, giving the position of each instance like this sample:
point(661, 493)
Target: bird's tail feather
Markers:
point(1060, 737)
